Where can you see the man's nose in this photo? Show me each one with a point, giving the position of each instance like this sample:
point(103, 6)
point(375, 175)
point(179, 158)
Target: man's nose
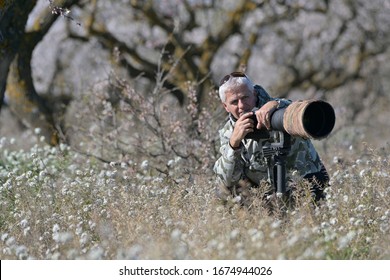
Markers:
point(241, 104)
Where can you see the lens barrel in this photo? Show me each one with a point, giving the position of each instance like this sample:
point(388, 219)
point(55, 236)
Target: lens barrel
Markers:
point(306, 118)
point(309, 119)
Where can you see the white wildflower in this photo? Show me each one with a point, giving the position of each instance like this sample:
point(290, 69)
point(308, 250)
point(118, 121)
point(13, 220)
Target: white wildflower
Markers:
point(6, 251)
point(10, 241)
point(168, 222)
point(63, 147)
point(320, 254)
point(62, 237)
point(23, 223)
point(341, 229)
point(79, 230)
point(135, 251)
point(145, 165)
point(382, 174)
point(92, 225)
point(84, 239)
point(21, 252)
point(212, 244)
point(329, 235)
point(276, 224)
point(43, 174)
point(4, 236)
point(72, 254)
point(54, 256)
point(170, 163)
point(241, 254)
point(346, 239)
point(220, 246)
point(384, 228)
point(234, 234)
point(96, 253)
point(257, 236)
point(360, 207)
point(292, 240)
point(56, 228)
point(324, 225)
point(26, 230)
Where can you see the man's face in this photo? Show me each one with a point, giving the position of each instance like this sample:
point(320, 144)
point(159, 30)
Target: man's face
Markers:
point(239, 100)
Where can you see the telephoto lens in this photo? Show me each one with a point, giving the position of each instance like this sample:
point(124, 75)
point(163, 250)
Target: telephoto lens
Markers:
point(309, 119)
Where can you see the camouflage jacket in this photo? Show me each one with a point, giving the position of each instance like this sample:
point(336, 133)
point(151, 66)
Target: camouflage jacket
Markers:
point(248, 162)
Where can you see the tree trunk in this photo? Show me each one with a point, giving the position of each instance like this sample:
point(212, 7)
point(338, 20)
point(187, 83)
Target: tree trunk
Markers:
point(16, 50)
point(13, 18)
point(24, 102)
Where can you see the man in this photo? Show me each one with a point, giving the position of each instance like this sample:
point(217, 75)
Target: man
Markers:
point(242, 161)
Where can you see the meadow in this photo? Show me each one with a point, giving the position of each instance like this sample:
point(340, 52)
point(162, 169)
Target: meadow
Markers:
point(56, 203)
point(137, 117)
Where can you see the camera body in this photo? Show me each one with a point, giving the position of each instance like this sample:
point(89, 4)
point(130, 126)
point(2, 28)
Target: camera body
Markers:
point(257, 134)
point(253, 117)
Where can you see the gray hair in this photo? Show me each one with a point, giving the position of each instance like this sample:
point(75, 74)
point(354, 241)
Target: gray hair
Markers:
point(232, 83)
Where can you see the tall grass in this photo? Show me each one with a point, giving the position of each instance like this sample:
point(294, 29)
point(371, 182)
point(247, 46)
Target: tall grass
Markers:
point(56, 203)
point(135, 181)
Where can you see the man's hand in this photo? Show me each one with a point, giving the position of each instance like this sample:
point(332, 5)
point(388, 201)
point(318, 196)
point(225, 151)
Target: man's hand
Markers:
point(263, 115)
point(243, 126)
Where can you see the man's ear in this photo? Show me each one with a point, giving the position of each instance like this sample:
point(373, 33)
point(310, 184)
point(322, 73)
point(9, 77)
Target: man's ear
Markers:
point(226, 107)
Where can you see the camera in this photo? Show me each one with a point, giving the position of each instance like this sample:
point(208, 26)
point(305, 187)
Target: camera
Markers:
point(313, 119)
point(257, 133)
